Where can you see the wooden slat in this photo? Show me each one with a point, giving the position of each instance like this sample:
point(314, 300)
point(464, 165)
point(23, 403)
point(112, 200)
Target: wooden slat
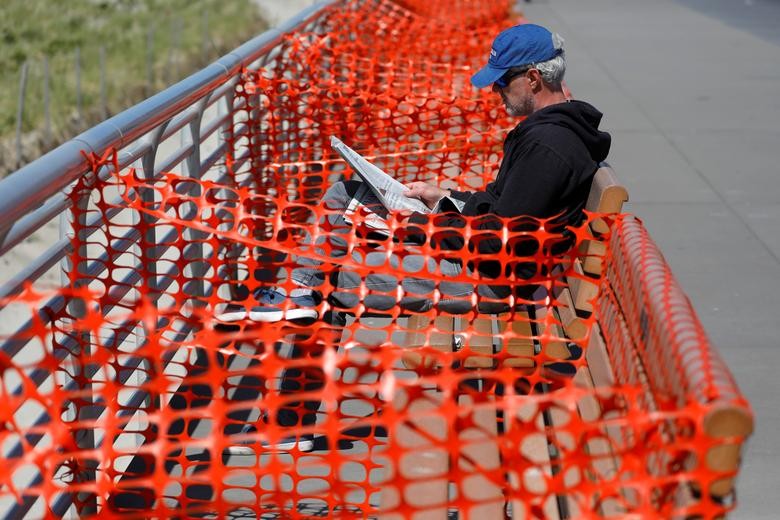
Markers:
point(559, 439)
point(556, 348)
point(598, 373)
point(592, 257)
point(424, 463)
point(531, 478)
point(583, 289)
point(520, 343)
point(484, 336)
point(480, 455)
point(519, 346)
point(422, 331)
point(478, 338)
point(606, 196)
point(726, 421)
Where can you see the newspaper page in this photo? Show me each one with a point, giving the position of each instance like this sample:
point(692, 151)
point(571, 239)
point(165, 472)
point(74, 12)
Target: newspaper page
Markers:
point(370, 218)
point(388, 190)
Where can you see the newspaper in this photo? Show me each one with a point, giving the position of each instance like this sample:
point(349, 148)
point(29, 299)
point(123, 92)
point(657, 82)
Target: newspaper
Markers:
point(388, 192)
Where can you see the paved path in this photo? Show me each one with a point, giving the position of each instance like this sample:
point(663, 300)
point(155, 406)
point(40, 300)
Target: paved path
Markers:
point(691, 93)
point(277, 11)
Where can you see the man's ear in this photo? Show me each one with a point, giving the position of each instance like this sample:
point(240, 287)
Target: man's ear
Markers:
point(535, 80)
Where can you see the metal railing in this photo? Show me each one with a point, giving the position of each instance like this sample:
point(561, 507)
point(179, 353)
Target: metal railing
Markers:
point(182, 124)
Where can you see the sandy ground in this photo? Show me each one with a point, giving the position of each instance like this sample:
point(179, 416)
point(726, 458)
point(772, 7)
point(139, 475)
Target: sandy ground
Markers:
point(276, 11)
point(12, 316)
point(15, 315)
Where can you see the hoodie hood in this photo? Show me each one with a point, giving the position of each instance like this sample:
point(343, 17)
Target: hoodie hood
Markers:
point(578, 116)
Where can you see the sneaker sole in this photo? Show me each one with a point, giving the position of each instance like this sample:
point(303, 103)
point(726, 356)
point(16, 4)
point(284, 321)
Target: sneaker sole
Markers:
point(303, 445)
point(268, 316)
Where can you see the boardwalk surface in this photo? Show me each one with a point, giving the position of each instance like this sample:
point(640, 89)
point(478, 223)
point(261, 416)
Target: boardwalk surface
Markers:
point(691, 93)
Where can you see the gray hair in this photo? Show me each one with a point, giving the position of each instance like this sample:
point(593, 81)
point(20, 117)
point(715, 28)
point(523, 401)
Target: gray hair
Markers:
point(552, 71)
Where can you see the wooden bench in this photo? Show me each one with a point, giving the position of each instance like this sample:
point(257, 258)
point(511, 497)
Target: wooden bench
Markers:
point(670, 357)
point(483, 476)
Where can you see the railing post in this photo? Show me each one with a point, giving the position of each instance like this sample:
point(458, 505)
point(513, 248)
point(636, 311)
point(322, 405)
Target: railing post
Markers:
point(204, 25)
point(150, 61)
point(103, 94)
point(20, 113)
point(47, 137)
point(194, 251)
point(148, 259)
point(41, 191)
point(78, 85)
point(226, 108)
point(87, 412)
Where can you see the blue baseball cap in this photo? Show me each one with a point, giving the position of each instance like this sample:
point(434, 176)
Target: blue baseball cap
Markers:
point(518, 46)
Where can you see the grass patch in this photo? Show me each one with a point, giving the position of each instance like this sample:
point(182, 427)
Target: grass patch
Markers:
point(184, 35)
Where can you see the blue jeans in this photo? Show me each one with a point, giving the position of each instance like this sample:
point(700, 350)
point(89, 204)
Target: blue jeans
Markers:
point(406, 271)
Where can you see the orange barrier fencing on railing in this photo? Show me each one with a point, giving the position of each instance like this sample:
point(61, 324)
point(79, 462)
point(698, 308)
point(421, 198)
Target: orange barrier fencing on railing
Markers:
point(150, 407)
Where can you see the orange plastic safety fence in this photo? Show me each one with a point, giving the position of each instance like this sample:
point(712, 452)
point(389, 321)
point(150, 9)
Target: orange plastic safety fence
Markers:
point(134, 399)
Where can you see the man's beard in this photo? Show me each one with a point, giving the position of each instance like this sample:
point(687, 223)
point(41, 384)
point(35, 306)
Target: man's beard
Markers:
point(524, 108)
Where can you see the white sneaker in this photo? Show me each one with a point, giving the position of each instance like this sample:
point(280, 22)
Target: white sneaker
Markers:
point(303, 443)
point(273, 307)
point(265, 315)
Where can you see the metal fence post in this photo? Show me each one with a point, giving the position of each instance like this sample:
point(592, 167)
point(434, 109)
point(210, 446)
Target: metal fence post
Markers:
point(172, 60)
point(177, 28)
point(103, 95)
point(78, 85)
point(20, 113)
point(36, 193)
point(88, 411)
point(47, 137)
point(194, 251)
point(150, 61)
point(204, 25)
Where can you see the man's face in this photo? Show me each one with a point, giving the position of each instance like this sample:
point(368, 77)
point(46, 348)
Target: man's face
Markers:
point(517, 96)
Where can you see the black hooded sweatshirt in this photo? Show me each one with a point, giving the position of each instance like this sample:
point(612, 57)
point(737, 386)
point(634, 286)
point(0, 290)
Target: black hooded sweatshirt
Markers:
point(549, 162)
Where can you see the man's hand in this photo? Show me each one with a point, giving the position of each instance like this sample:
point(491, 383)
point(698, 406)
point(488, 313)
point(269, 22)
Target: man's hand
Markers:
point(428, 193)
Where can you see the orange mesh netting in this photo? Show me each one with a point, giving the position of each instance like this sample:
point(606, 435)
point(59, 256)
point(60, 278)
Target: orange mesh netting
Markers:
point(132, 400)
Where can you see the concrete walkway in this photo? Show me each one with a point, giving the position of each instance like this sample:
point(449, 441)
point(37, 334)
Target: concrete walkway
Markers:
point(691, 94)
point(277, 11)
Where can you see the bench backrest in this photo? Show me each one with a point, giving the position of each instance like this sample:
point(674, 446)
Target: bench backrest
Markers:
point(680, 366)
point(606, 196)
point(654, 334)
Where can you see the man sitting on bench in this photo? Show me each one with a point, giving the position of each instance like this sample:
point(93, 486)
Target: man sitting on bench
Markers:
point(549, 161)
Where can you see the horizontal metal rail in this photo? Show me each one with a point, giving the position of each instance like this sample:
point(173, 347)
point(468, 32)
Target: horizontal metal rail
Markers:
point(94, 268)
point(177, 124)
point(30, 186)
